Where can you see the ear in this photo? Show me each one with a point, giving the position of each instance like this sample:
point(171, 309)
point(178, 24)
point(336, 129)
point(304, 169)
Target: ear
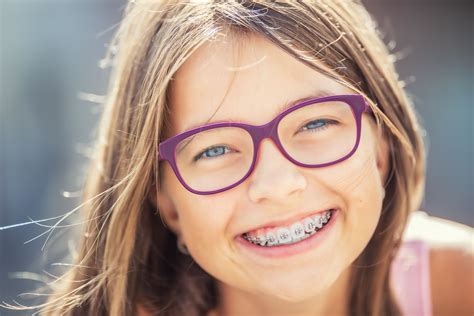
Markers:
point(382, 154)
point(165, 207)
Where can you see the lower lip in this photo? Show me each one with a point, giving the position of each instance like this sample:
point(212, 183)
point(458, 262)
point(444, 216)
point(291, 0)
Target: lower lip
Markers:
point(280, 251)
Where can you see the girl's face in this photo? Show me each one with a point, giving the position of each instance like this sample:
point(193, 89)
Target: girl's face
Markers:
point(249, 83)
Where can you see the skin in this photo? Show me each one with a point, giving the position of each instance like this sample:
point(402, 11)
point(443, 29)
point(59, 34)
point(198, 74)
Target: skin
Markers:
point(310, 283)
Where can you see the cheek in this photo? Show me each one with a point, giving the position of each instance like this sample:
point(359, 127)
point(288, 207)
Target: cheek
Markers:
point(358, 178)
point(204, 223)
point(202, 219)
point(364, 196)
point(357, 182)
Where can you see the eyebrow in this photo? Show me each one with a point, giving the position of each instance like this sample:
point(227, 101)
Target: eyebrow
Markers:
point(318, 94)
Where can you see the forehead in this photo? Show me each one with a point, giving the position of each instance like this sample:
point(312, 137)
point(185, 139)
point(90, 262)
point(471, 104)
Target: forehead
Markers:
point(243, 79)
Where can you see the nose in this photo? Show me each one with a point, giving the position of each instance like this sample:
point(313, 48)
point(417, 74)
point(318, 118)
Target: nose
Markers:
point(274, 177)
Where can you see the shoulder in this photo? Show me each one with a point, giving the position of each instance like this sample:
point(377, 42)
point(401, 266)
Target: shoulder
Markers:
point(451, 256)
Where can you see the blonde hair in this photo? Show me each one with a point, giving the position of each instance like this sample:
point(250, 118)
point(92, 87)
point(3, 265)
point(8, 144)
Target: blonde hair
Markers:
point(128, 256)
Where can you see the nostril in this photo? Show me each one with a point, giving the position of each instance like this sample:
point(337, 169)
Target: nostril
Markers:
point(277, 186)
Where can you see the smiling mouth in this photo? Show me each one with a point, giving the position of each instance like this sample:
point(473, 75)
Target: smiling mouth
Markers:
point(287, 235)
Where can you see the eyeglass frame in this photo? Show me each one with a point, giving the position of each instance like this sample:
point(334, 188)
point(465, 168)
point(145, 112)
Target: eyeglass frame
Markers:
point(167, 148)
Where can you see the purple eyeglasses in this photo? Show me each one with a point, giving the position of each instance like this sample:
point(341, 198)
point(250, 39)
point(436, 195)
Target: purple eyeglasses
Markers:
point(315, 133)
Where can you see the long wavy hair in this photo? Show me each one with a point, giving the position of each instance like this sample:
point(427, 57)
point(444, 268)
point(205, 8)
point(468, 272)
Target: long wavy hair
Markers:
point(128, 256)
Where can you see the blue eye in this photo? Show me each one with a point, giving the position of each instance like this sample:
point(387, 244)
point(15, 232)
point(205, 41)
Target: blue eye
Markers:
point(318, 124)
point(212, 152)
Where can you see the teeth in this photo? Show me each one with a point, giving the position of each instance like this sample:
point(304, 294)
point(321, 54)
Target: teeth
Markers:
point(325, 218)
point(297, 231)
point(261, 240)
point(272, 239)
point(309, 225)
point(284, 235)
point(318, 220)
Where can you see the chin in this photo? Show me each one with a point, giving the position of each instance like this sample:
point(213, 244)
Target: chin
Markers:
point(294, 293)
point(297, 296)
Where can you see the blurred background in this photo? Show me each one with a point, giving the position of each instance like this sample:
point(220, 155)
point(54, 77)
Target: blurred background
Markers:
point(49, 74)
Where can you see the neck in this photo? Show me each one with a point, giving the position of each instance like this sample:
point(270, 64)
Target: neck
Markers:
point(332, 301)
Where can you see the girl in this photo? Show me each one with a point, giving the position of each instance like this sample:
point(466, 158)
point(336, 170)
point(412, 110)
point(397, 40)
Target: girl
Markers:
point(258, 158)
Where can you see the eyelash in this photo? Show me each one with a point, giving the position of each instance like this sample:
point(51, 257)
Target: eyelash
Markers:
point(326, 121)
point(325, 126)
point(198, 156)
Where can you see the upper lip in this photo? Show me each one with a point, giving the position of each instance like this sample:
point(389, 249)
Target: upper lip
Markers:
point(290, 220)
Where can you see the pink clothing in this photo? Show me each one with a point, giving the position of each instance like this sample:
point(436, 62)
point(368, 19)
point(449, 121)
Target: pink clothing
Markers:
point(410, 277)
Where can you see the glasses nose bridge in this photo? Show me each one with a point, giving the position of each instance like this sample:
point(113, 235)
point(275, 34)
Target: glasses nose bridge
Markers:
point(268, 130)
